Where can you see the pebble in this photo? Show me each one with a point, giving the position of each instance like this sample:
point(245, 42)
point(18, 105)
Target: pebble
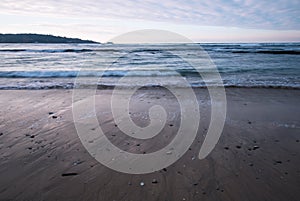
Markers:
point(178, 172)
point(154, 181)
point(255, 147)
point(77, 162)
point(169, 152)
point(69, 174)
point(1, 134)
point(277, 162)
point(54, 117)
point(142, 184)
point(238, 146)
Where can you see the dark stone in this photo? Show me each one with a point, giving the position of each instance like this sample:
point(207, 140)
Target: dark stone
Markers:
point(154, 181)
point(54, 117)
point(238, 146)
point(226, 148)
point(69, 174)
point(277, 162)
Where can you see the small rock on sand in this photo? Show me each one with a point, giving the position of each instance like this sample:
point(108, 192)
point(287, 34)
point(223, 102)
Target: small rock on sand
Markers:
point(277, 162)
point(69, 174)
point(154, 181)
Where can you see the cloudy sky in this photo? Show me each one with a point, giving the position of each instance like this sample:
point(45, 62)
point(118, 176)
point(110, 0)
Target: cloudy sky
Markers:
point(201, 21)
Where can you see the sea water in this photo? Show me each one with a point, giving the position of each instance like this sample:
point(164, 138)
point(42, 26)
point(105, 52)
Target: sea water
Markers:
point(45, 66)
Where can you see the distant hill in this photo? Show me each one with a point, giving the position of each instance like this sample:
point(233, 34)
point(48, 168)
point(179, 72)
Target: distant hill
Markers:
point(39, 38)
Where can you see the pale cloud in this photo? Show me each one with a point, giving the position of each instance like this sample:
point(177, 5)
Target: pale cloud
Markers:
point(256, 14)
point(202, 21)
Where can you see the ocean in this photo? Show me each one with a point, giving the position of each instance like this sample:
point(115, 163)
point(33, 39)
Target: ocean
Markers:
point(48, 66)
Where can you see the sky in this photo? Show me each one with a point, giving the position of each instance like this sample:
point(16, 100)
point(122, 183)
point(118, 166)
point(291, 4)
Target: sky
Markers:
point(198, 20)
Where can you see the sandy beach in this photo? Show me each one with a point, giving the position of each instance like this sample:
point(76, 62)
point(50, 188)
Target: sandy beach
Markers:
point(256, 158)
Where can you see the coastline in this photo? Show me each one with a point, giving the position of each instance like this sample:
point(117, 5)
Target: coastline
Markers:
point(39, 148)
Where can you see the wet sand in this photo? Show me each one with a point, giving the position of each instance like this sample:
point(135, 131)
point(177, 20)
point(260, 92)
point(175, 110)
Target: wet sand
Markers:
point(256, 158)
